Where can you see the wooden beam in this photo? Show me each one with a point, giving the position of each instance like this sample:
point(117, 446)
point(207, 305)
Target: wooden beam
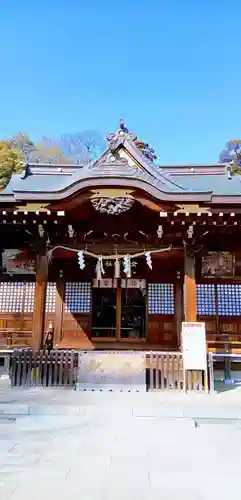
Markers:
point(190, 313)
point(39, 301)
point(59, 307)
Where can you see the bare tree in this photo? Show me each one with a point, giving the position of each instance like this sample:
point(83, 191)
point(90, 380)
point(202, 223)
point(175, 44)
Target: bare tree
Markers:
point(82, 147)
point(48, 151)
point(79, 148)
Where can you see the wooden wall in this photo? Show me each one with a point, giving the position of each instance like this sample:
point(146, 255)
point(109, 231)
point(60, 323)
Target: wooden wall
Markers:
point(73, 318)
point(162, 331)
point(218, 304)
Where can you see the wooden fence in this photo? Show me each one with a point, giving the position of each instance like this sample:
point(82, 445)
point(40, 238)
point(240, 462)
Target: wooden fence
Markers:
point(46, 369)
point(164, 371)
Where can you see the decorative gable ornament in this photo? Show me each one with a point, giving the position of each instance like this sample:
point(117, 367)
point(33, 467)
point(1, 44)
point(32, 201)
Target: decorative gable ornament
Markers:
point(115, 205)
point(116, 138)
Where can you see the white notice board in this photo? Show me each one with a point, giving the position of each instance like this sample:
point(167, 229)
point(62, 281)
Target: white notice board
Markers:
point(194, 346)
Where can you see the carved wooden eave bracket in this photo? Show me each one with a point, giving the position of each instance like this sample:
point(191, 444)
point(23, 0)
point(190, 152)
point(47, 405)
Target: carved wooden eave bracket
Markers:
point(112, 205)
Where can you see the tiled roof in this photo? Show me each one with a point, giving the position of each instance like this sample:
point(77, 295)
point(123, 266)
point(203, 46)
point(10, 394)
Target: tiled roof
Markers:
point(122, 164)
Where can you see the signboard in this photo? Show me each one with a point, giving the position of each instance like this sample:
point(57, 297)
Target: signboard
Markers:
point(218, 264)
point(111, 371)
point(133, 283)
point(15, 261)
point(105, 283)
point(194, 346)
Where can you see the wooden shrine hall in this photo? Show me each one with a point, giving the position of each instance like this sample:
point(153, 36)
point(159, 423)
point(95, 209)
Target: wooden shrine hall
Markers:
point(116, 254)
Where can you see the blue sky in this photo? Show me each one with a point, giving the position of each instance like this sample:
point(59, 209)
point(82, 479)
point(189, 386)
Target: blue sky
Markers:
point(170, 68)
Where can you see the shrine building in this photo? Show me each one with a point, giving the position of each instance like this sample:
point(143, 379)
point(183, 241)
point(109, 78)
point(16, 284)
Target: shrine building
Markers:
point(116, 254)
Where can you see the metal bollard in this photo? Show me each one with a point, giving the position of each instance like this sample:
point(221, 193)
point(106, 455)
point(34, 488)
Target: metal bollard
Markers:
point(211, 372)
point(227, 368)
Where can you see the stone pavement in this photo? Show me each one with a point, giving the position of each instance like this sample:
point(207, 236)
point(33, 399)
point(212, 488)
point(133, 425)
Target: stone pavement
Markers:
point(119, 445)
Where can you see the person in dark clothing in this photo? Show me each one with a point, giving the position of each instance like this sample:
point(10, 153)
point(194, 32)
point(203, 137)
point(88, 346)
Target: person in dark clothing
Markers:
point(49, 339)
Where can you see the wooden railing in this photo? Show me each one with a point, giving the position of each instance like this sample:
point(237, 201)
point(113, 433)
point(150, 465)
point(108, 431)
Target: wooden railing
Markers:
point(224, 342)
point(165, 371)
point(53, 369)
point(15, 337)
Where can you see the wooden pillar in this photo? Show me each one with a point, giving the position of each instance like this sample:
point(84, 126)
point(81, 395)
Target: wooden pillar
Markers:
point(59, 308)
point(118, 311)
point(39, 301)
point(179, 307)
point(190, 313)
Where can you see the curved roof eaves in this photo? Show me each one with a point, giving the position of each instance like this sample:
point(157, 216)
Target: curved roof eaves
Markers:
point(218, 184)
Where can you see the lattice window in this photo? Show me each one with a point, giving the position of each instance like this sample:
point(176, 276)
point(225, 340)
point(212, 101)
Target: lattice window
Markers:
point(78, 297)
point(11, 296)
point(206, 300)
point(18, 296)
point(161, 298)
point(229, 299)
point(50, 297)
point(29, 293)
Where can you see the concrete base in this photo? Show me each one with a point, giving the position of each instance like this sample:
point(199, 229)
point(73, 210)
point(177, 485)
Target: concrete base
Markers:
point(5, 380)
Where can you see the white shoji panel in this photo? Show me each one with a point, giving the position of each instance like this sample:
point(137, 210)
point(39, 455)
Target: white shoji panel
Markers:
point(11, 296)
point(78, 297)
point(29, 294)
point(161, 298)
point(206, 300)
point(50, 297)
point(229, 299)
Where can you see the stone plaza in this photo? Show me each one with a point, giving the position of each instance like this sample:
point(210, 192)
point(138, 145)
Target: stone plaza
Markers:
point(109, 445)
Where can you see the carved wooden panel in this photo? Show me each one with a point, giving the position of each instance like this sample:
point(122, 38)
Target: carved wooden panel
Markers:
point(210, 322)
point(162, 331)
